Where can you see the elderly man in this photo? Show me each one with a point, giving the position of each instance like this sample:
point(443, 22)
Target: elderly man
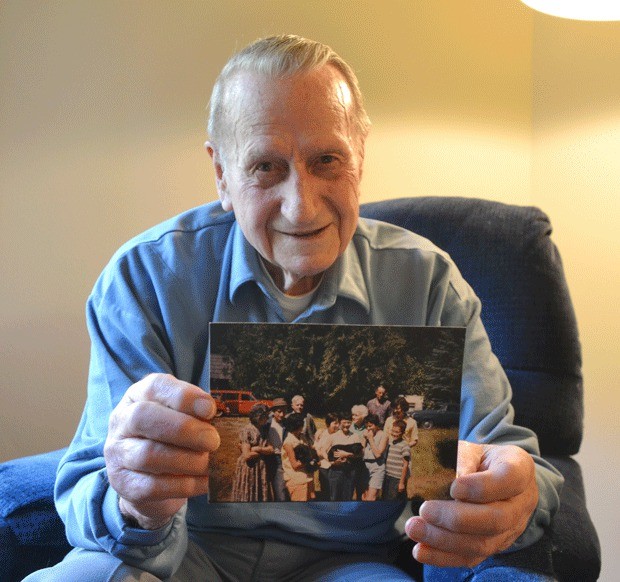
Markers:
point(380, 404)
point(308, 431)
point(284, 243)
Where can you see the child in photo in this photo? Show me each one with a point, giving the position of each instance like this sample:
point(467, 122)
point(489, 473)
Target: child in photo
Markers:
point(375, 443)
point(299, 482)
point(397, 463)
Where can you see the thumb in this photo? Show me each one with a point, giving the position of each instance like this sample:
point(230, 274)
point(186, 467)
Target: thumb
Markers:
point(468, 459)
point(468, 462)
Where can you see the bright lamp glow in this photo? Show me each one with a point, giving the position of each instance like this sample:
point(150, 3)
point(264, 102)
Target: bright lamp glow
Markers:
point(578, 9)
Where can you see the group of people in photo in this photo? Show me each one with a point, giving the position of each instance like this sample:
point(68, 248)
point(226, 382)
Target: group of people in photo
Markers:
point(363, 454)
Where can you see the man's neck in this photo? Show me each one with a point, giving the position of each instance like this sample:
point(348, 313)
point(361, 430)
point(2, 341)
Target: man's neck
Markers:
point(290, 284)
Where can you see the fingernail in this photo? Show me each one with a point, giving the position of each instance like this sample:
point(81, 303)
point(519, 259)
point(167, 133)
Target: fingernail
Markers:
point(208, 439)
point(202, 407)
point(415, 528)
point(457, 490)
point(429, 512)
point(409, 525)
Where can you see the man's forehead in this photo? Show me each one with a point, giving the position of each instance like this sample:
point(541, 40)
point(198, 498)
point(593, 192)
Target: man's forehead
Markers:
point(312, 110)
point(317, 80)
point(260, 140)
point(320, 92)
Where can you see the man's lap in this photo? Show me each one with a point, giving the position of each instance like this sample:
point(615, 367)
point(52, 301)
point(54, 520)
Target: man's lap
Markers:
point(484, 574)
point(80, 565)
point(220, 558)
point(229, 559)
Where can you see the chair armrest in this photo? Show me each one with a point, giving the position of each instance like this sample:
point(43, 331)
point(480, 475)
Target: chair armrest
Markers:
point(575, 544)
point(28, 481)
point(32, 534)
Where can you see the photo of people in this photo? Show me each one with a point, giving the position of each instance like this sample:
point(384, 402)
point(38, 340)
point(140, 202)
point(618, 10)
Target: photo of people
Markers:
point(327, 413)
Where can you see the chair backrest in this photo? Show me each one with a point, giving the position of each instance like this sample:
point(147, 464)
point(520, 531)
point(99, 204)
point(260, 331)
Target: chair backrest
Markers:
point(506, 254)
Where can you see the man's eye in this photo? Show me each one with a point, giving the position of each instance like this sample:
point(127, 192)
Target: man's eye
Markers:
point(265, 167)
point(327, 159)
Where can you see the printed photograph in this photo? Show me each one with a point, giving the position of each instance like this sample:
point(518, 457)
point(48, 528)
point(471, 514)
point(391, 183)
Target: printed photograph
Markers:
point(310, 412)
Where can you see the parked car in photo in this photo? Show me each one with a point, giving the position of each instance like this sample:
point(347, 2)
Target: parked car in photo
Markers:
point(447, 416)
point(237, 402)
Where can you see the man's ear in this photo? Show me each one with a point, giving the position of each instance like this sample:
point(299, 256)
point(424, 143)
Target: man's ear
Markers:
point(362, 151)
point(220, 179)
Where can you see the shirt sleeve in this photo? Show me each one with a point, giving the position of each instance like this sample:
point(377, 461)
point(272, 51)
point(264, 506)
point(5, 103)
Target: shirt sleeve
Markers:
point(412, 431)
point(406, 451)
point(127, 343)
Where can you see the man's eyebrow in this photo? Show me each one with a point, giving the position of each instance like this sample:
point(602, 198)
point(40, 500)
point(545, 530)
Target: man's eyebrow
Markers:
point(322, 150)
point(254, 153)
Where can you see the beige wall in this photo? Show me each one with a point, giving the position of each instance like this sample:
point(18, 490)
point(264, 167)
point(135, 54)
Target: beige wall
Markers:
point(576, 179)
point(102, 108)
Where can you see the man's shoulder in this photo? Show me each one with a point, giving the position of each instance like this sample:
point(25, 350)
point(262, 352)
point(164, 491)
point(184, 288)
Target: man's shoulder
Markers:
point(205, 218)
point(385, 236)
point(174, 244)
point(396, 251)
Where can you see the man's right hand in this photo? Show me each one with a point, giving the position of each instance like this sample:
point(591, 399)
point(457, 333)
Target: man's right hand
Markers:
point(157, 449)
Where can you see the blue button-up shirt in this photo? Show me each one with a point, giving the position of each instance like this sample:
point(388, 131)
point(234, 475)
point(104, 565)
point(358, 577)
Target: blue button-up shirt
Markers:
point(149, 312)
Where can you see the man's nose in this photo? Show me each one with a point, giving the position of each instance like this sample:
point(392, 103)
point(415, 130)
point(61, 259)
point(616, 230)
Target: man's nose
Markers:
point(301, 197)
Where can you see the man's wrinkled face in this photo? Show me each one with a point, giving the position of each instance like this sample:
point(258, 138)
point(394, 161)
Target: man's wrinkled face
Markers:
point(357, 418)
point(380, 393)
point(297, 406)
point(291, 171)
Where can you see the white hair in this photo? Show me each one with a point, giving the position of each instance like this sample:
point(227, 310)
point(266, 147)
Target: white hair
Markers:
point(281, 56)
point(360, 409)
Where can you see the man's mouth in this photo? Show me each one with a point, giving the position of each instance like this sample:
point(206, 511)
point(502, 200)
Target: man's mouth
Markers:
point(307, 233)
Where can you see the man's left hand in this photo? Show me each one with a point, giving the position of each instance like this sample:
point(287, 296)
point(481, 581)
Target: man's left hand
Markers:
point(494, 496)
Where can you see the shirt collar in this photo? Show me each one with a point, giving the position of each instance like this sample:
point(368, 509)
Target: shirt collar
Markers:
point(343, 279)
point(244, 265)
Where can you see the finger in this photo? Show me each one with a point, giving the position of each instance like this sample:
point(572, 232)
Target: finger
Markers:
point(477, 519)
point(173, 393)
point(504, 472)
point(147, 456)
point(464, 545)
point(152, 420)
point(141, 487)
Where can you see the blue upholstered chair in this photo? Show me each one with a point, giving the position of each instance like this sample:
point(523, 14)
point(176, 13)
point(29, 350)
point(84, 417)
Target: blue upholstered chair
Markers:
point(506, 254)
